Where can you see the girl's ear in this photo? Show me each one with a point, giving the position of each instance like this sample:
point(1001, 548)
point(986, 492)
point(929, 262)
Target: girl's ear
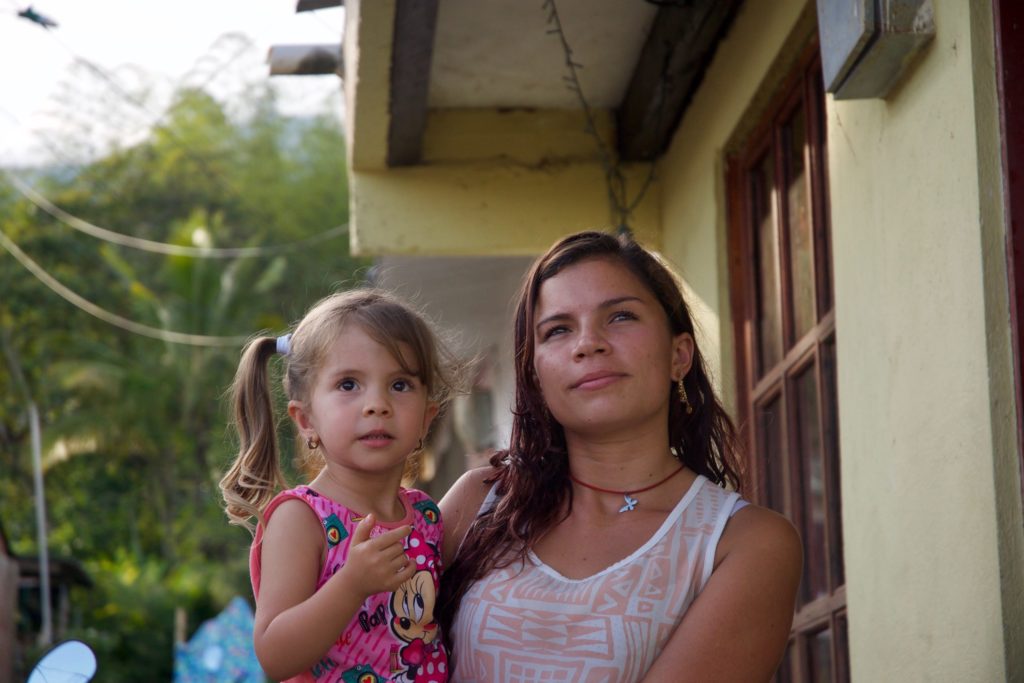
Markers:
point(297, 411)
point(682, 355)
point(428, 415)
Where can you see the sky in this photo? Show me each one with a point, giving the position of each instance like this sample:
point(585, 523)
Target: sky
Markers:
point(139, 43)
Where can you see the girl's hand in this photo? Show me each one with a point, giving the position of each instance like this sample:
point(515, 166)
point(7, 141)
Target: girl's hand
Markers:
point(295, 623)
point(377, 565)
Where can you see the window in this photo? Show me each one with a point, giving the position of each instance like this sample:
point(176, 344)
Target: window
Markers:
point(781, 279)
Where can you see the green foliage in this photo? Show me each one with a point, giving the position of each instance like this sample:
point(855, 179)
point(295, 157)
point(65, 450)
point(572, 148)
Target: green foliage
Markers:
point(135, 435)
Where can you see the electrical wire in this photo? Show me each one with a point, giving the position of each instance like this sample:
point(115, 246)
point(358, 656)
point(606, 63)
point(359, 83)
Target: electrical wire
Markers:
point(157, 119)
point(212, 76)
point(50, 145)
point(620, 208)
point(334, 31)
point(141, 105)
point(112, 318)
point(163, 247)
point(121, 239)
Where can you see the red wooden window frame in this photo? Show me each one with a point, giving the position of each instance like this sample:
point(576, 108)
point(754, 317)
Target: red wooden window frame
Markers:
point(786, 481)
point(1009, 35)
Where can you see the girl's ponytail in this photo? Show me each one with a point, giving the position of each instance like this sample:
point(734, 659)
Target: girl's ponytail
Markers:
point(255, 475)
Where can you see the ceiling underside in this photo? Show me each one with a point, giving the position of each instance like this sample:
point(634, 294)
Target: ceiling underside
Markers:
point(501, 54)
point(640, 59)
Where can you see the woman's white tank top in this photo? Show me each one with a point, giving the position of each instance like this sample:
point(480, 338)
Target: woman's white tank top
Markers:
point(522, 624)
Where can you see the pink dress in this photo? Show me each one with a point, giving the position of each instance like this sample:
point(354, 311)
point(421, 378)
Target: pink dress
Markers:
point(394, 636)
point(529, 623)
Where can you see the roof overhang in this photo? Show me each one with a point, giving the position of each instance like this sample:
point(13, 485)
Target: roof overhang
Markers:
point(310, 5)
point(464, 134)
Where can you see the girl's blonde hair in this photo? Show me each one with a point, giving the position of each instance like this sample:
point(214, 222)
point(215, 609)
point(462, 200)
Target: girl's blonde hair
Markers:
point(256, 476)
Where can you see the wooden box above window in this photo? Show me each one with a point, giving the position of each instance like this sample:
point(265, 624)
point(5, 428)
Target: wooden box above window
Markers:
point(867, 45)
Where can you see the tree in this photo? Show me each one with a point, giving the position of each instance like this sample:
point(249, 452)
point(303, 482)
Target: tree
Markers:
point(135, 427)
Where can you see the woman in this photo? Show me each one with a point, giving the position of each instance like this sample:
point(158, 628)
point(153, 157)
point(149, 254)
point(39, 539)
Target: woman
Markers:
point(604, 544)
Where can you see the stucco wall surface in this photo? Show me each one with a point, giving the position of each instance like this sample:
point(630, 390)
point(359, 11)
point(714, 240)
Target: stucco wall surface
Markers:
point(490, 207)
point(914, 390)
point(921, 332)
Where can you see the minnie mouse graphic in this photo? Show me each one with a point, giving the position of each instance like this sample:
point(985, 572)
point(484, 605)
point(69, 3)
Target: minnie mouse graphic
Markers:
point(412, 610)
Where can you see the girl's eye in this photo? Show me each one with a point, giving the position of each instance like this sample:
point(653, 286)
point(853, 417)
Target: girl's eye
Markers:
point(347, 385)
point(402, 385)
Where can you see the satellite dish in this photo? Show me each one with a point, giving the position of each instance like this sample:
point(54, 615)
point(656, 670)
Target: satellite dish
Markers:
point(70, 662)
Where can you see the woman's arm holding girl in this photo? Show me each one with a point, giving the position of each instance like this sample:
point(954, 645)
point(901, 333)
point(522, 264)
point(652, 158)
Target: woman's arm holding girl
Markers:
point(737, 629)
point(296, 624)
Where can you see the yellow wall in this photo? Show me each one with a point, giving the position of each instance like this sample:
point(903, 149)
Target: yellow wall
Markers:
point(930, 485)
point(494, 182)
point(908, 231)
point(495, 208)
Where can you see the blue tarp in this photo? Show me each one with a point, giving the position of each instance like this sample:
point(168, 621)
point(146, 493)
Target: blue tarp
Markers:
point(221, 651)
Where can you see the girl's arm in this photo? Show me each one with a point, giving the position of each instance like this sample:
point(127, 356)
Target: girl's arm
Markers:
point(296, 624)
point(737, 628)
point(459, 508)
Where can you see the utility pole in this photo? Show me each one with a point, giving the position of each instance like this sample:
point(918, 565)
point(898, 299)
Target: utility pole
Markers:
point(46, 632)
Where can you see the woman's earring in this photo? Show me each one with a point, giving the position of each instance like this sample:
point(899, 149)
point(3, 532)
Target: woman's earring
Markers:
point(682, 397)
point(312, 443)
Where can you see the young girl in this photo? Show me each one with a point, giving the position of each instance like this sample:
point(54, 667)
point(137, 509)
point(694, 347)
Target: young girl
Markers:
point(345, 569)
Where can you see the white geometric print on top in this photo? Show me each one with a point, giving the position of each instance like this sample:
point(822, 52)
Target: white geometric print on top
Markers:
point(530, 623)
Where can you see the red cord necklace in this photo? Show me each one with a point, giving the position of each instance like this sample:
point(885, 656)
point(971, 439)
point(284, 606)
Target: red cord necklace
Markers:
point(631, 502)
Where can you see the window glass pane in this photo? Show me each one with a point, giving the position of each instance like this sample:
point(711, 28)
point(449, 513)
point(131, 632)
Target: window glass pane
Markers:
point(769, 312)
point(831, 443)
point(812, 484)
point(819, 656)
point(799, 228)
point(822, 236)
point(842, 651)
point(770, 423)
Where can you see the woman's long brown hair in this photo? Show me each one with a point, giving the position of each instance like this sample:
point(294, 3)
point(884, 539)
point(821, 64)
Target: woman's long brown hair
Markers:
point(532, 476)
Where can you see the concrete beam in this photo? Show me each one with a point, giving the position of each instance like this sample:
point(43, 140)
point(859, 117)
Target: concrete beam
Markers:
point(679, 48)
point(367, 49)
point(488, 209)
point(412, 49)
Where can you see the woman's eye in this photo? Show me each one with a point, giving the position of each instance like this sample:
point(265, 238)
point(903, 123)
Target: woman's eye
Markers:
point(623, 315)
point(554, 331)
point(347, 385)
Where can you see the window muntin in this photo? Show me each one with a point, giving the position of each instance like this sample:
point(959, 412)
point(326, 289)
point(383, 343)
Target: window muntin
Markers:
point(786, 356)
